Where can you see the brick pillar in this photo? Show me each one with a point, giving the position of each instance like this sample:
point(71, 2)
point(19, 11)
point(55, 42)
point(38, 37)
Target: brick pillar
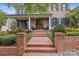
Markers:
point(59, 41)
point(20, 43)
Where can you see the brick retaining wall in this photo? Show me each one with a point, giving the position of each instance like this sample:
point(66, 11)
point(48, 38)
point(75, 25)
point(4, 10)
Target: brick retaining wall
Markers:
point(7, 51)
point(64, 43)
point(18, 50)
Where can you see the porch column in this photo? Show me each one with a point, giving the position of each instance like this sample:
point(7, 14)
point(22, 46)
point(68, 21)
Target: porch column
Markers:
point(29, 24)
point(59, 20)
point(34, 23)
point(49, 23)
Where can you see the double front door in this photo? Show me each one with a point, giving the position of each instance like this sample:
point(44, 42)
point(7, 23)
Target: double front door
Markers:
point(39, 24)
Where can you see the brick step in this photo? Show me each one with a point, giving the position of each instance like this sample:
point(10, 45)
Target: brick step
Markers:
point(39, 45)
point(40, 35)
point(40, 54)
point(40, 50)
point(39, 31)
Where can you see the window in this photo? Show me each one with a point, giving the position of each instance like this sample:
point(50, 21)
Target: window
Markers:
point(55, 7)
point(64, 7)
point(54, 22)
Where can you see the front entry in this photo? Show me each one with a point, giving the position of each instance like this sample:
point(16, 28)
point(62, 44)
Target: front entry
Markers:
point(39, 23)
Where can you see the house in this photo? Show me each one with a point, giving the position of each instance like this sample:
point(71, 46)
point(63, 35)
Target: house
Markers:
point(54, 15)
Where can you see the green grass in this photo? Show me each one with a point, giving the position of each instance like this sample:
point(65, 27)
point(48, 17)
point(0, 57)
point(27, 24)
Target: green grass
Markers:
point(29, 36)
point(51, 37)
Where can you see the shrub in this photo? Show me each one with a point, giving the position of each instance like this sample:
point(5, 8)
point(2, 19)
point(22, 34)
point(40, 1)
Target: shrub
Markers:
point(59, 28)
point(28, 36)
point(12, 32)
point(72, 29)
point(16, 31)
point(29, 31)
point(8, 40)
point(72, 33)
point(3, 33)
point(20, 29)
point(51, 37)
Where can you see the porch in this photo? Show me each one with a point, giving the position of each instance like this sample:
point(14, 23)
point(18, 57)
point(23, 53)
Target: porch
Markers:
point(33, 22)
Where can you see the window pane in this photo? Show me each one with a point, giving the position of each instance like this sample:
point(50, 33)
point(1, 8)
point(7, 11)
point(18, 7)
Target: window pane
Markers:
point(55, 7)
point(63, 7)
point(54, 22)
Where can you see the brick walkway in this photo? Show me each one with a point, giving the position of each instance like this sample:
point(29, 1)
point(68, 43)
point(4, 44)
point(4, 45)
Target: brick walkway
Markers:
point(40, 40)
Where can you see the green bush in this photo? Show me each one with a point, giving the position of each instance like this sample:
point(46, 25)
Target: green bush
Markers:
point(12, 32)
point(29, 31)
point(3, 33)
point(29, 36)
point(72, 33)
point(8, 40)
point(20, 29)
point(16, 31)
point(59, 28)
point(51, 37)
point(72, 29)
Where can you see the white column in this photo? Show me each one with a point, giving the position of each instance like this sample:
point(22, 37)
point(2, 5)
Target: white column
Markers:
point(49, 23)
point(29, 24)
point(34, 23)
point(59, 20)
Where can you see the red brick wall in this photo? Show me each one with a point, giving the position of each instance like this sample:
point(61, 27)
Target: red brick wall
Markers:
point(7, 51)
point(18, 49)
point(71, 42)
point(20, 43)
point(64, 43)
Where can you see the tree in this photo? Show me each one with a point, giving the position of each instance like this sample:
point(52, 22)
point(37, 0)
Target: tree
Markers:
point(29, 7)
point(3, 18)
point(73, 17)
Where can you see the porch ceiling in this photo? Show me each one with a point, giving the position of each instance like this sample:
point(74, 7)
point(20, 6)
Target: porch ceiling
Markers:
point(24, 17)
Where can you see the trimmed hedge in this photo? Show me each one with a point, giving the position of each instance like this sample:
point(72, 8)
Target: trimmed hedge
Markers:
point(72, 29)
point(59, 28)
point(8, 40)
point(72, 33)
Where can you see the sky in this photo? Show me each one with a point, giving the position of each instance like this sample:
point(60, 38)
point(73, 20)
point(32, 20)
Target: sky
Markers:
point(11, 10)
